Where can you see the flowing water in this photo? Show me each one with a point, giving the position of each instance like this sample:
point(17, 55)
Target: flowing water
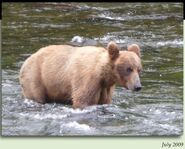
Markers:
point(157, 110)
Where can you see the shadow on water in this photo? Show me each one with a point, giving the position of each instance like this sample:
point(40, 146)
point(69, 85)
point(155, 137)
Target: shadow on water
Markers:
point(158, 28)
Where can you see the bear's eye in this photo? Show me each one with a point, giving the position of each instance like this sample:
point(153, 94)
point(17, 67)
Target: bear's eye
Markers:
point(139, 70)
point(129, 70)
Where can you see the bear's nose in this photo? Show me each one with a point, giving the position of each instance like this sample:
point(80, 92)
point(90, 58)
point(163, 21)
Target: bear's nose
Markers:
point(137, 88)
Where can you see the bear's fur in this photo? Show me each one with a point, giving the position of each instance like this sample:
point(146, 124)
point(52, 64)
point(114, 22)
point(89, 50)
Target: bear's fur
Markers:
point(81, 76)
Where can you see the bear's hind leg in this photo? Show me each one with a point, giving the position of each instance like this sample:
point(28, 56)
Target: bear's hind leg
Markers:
point(33, 91)
point(39, 94)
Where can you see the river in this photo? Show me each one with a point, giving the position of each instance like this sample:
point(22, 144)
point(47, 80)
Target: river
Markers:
point(157, 110)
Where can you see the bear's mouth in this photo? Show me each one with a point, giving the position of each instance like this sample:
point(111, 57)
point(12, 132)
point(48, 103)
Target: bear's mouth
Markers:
point(127, 88)
point(136, 89)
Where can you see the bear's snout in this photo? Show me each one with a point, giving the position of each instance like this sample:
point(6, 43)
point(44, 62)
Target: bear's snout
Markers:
point(137, 88)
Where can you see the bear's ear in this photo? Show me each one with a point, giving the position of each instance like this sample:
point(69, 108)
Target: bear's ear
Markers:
point(134, 48)
point(113, 50)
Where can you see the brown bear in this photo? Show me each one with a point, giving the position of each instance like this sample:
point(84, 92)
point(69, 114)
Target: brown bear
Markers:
point(81, 76)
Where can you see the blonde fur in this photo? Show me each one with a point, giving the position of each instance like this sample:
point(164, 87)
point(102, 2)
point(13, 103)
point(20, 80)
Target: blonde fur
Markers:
point(63, 73)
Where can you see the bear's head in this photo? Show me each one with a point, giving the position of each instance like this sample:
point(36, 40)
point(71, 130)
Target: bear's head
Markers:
point(127, 65)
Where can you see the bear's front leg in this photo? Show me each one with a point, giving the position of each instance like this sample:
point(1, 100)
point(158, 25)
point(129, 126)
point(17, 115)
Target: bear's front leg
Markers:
point(86, 98)
point(106, 95)
point(85, 94)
